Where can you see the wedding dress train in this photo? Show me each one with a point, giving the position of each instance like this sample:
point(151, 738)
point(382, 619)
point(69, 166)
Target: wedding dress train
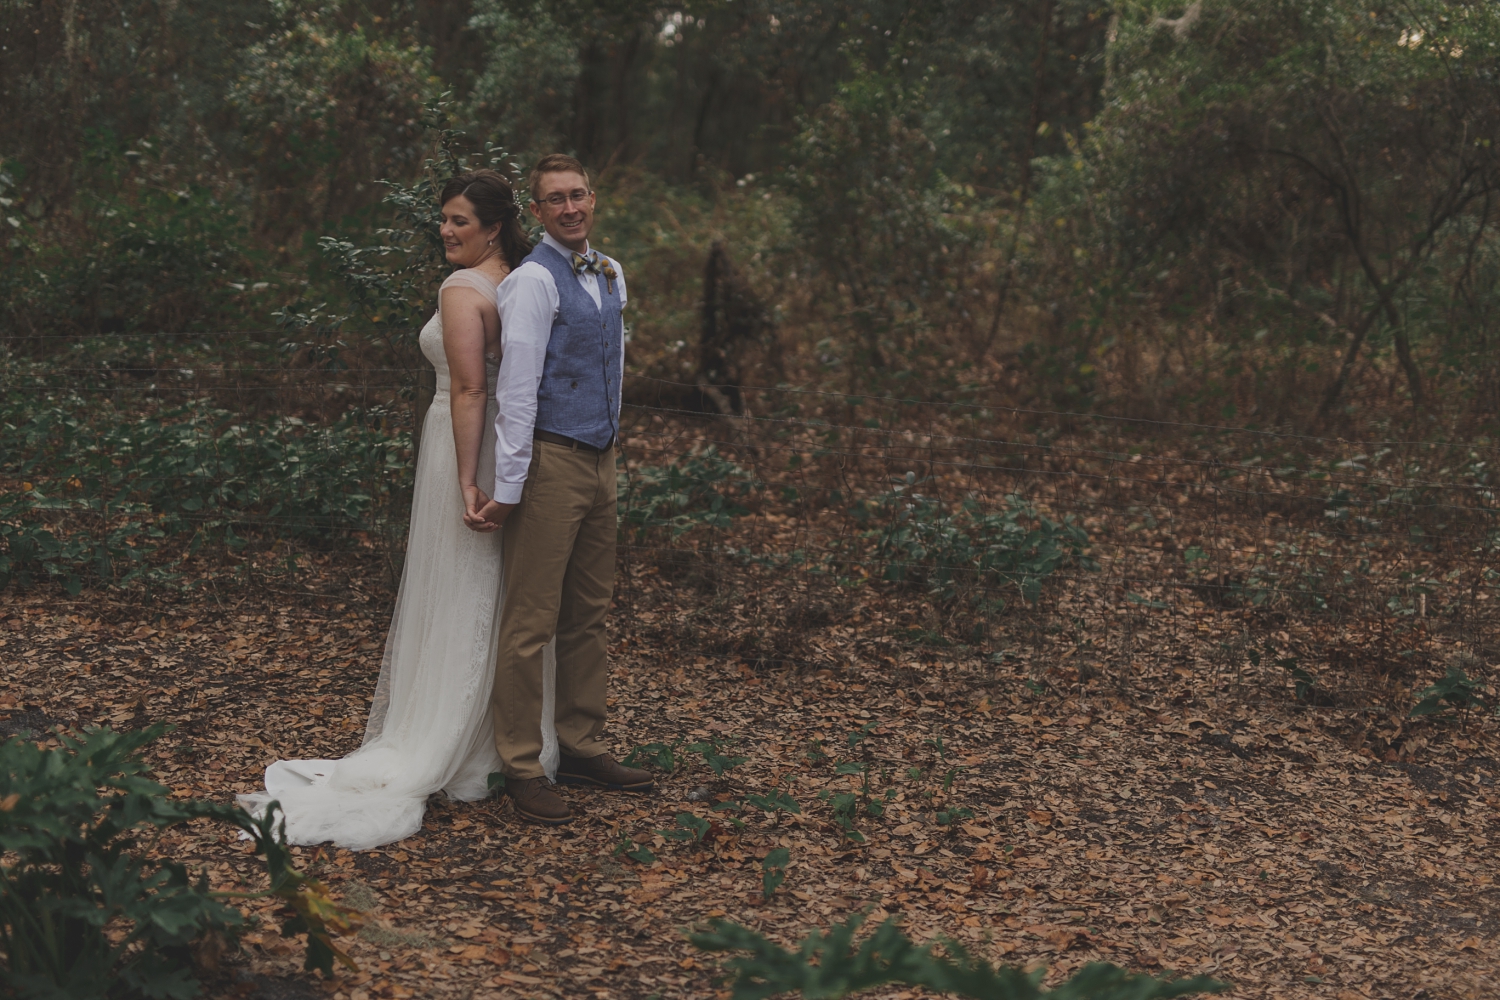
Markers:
point(430, 725)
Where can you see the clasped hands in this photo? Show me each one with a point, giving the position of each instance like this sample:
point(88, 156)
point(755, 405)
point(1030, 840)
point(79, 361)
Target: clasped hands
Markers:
point(481, 513)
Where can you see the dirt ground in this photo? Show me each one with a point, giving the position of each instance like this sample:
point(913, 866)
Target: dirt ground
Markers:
point(1162, 814)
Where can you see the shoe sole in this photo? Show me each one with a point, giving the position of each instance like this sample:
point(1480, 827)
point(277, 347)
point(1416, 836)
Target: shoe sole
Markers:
point(583, 779)
point(543, 820)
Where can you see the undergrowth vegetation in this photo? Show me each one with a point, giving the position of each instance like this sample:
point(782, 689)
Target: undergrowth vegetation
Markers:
point(951, 550)
point(1186, 313)
point(115, 498)
point(88, 910)
point(830, 964)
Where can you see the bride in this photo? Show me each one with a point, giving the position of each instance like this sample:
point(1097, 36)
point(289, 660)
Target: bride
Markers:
point(430, 727)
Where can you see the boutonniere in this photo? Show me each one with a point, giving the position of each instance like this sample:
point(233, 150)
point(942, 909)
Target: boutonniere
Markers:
point(610, 274)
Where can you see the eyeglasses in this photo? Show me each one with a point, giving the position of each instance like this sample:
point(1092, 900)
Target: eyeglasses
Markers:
point(559, 200)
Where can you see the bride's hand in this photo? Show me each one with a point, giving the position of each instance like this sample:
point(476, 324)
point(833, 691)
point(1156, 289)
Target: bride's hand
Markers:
point(474, 501)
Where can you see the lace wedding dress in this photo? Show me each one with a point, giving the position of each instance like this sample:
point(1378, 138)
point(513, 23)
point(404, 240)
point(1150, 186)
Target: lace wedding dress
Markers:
point(429, 728)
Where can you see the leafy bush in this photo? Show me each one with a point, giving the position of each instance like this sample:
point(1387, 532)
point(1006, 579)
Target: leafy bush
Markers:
point(143, 250)
point(827, 966)
point(84, 912)
point(661, 755)
point(919, 541)
point(191, 472)
point(714, 756)
point(700, 489)
point(30, 553)
point(688, 828)
point(323, 102)
point(874, 205)
point(773, 870)
point(389, 287)
point(80, 910)
point(1220, 117)
point(1456, 690)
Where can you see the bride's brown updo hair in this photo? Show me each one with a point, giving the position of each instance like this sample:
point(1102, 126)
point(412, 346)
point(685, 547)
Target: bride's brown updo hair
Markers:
point(494, 200)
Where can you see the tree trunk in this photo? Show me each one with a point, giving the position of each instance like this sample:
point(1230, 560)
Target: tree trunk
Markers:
point(1409, 366)
point(1351, 355)
point(1038, 79)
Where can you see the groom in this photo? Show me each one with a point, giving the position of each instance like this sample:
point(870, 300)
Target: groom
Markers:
point(562, 360)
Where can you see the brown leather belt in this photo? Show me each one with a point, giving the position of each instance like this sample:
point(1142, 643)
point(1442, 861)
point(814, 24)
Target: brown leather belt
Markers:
point(568, 442)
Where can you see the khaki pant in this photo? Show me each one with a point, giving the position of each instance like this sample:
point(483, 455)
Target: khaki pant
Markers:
point(559, 577)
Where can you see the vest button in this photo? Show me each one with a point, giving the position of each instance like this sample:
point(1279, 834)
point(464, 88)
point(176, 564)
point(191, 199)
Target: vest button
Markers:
point(575, 385)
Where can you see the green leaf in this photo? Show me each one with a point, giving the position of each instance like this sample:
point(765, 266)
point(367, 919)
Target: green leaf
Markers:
point(775, 801)
point(1455, 690)
point(660, 755)
point(713, 756)
point(1134, 598)
point(696, 826)
point(69, 831)
point(773, 870)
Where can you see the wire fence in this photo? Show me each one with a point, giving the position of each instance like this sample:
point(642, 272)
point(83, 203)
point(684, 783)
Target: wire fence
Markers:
point(815, 528)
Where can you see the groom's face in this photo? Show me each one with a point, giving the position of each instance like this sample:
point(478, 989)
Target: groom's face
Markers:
point(565, 207)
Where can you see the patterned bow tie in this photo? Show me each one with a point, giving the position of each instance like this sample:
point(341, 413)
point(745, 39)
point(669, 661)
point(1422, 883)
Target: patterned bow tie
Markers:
point(590, 264)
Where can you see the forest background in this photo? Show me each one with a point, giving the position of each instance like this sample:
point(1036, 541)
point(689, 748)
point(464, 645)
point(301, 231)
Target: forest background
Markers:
point(1123, 364)
point(1276, 213)
point(1052, 230)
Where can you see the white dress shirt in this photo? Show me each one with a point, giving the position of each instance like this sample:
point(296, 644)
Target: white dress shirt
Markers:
point(528, 301)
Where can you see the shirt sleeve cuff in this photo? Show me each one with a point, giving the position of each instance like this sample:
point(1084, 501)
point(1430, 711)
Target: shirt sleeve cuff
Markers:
point(508, 492)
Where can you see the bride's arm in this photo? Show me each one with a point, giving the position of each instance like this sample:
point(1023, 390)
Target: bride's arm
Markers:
point(463, 344)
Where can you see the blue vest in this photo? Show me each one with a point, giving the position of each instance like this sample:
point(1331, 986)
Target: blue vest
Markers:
point(580, 392)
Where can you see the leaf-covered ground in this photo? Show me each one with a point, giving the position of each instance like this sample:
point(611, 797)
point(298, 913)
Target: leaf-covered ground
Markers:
point(1174, 815)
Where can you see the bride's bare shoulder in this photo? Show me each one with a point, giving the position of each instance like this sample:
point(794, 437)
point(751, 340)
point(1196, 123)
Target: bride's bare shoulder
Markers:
point(472, 277)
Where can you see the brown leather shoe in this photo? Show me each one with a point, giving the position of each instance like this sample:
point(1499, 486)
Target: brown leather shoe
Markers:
point(535, 800)
point(602, 771)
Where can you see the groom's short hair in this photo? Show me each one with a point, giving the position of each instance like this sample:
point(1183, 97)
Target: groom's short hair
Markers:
point(556, 163)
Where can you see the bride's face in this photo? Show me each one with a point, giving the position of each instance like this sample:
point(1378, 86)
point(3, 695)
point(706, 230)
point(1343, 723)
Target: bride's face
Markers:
point(465, 241)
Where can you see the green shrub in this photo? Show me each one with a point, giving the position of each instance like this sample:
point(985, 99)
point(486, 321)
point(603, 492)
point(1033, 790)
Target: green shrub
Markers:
point(773, 870)
point(875, 208)
point(388, 288)
point(827, 966)
point(192, 473)
point(699, 489)
point(85, 912)
point(322, 103)
point(82, 914)
point(920, 541)
point(30, 553)
point(1457, 690)
point(143, 250)
point(660, 755)
point(1239, 180)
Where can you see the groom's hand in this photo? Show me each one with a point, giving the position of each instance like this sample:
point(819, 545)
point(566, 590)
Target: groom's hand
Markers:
point(496, 513)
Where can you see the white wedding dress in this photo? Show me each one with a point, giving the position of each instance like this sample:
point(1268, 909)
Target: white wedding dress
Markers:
point(430, 727)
